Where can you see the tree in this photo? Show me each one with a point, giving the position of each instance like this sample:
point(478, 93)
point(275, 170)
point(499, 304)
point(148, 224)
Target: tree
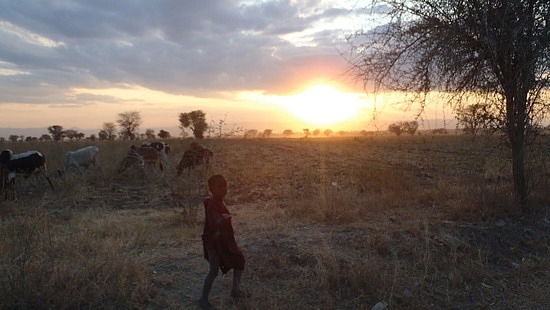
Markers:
point(316, 132)
point(129, 123)
point(74, 134)
point(307, 133)
point(57, 132)
point(474, 117)
point(163, 134)
point(327, 132)
point(267, 133)
point(45, 137)
point(497, 49)
point(251, 133)
point(108, 132)
point(102, 135)
point(13, 138)
point(287, 133)
point(410, 127)
point(396, 128)
point(149, 133)
point(196, 121)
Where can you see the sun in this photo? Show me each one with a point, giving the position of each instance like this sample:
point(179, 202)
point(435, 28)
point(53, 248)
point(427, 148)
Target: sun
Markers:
point(324, 105)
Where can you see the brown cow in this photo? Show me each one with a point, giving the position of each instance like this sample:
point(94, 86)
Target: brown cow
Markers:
point(136, 157)
point(196, 155)
point(150, 155)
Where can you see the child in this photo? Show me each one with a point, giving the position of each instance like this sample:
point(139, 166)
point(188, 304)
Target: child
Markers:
point(220, 247)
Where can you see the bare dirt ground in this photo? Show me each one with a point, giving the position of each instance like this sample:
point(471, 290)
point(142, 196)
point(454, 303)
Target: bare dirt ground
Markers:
point(342, 224)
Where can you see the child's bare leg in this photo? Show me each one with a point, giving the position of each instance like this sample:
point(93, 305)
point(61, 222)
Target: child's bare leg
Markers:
point(214, 263)
point(236, 289)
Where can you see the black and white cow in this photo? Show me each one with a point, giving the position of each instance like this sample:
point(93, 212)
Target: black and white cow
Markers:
point(24, 164)
point(164, 150)
point(82, 158)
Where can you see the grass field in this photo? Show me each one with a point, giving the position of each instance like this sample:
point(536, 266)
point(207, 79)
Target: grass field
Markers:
point(415, 222)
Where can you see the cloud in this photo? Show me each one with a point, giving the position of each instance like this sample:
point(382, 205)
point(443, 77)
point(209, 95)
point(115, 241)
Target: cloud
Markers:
point(187, 47)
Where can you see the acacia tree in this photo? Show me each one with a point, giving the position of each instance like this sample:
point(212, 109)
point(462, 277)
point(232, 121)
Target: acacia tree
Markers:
point(57, 132)
point(196, 121)
point(396, 128)
point(163, 134)
point(494, 48)
point(150, 133)
point(108, 132)
point(474, 117)
point(129, 123)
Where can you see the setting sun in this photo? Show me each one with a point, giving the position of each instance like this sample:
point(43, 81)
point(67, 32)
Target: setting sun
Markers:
point(324, 105)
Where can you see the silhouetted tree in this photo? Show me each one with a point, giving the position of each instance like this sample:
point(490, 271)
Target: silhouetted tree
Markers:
point(396, 128)
point(267, 133)
point(74, 134)
point(474, 117)
point(327, 132)
point(163, 134)
point(497, 49)
point(45, 137)
point(13, 138)
point(196, 121)
point(149, 133)
point(103, 135)
point(306, 132)
point(287, 132)
point(400, 127)
point(410, 127)
point(108, 131)
point(316, 132)
point(129, 123)
point(251, 133)
point(57, 132)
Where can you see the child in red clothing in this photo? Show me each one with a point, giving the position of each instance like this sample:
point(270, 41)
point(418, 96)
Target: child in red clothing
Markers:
point(220, 247)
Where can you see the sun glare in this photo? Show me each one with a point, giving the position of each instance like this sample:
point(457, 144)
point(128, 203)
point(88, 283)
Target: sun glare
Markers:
point(324, 105)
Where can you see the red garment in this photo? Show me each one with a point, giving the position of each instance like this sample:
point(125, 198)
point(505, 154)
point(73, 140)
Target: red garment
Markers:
point(218, 235)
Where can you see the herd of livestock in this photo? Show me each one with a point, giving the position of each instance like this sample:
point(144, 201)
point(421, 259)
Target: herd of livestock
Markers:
point(13, 166)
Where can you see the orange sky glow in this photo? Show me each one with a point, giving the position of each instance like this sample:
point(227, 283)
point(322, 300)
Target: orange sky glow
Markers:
point(255, 64)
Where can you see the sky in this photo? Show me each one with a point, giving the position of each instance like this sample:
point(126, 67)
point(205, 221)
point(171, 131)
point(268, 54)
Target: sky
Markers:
point(254, 64)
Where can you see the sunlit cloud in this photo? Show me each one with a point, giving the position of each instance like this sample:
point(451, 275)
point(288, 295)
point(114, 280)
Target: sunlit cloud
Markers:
point(28, 36)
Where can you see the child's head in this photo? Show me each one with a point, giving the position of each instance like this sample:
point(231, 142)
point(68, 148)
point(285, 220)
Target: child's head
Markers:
point(218, 186)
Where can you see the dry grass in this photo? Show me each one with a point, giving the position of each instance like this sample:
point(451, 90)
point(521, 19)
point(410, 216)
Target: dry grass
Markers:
point(419, 222)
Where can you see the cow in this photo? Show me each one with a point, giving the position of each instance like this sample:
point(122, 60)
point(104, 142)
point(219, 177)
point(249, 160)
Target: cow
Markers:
point(150, 155)
point(141, 156)
point(84, 157)
point(132, 159)
point(24, 164)
point(7, 185)
point(164, 150)
point(196, 155)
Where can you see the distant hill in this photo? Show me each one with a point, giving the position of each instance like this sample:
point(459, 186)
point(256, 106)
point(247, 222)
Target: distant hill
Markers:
point(26, 132)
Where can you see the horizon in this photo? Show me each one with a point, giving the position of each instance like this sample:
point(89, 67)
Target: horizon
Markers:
point(175, 131)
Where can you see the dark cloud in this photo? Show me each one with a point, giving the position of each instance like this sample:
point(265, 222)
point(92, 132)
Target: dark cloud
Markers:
point(183, 47)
